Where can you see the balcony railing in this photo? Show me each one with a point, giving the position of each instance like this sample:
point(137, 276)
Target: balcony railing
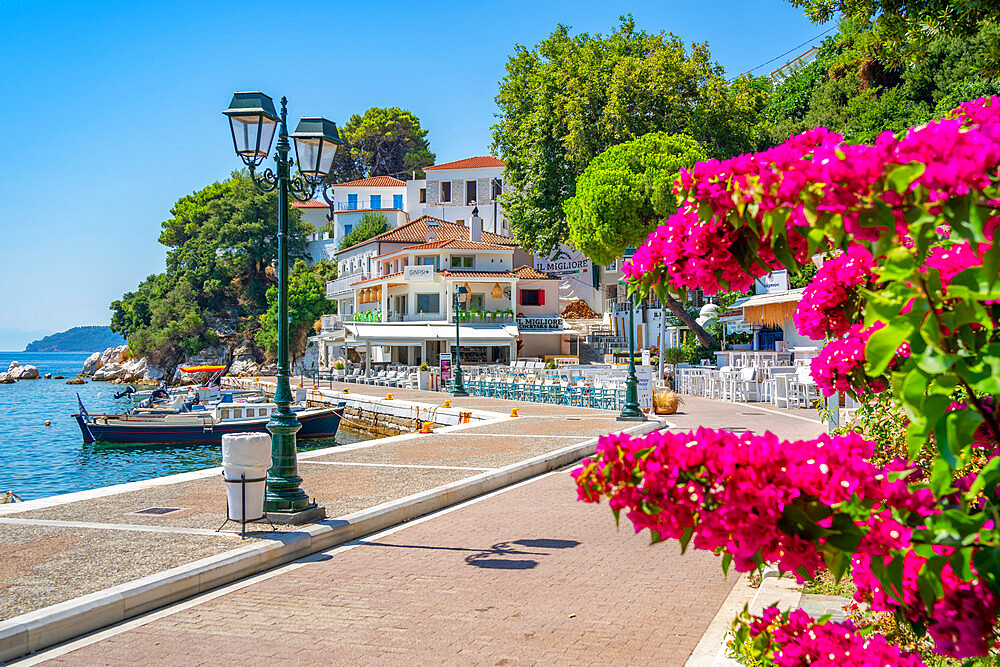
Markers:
point(342, 285)
point(332, 323)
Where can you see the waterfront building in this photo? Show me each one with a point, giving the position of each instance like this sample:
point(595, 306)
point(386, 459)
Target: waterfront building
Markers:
point(449, 192)
point(395, 297)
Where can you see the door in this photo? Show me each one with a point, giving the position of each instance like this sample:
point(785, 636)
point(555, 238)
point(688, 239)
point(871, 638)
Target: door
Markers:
point(397, 202)
point(352, 202)
point(470, 192)
point(376, 201)
point(401, 306)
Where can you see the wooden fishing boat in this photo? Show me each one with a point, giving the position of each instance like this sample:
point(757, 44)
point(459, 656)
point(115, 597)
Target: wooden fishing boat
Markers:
point(201, 424)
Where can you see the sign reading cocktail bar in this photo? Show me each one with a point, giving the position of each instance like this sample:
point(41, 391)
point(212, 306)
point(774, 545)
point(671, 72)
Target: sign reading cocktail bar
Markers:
point(539, 323)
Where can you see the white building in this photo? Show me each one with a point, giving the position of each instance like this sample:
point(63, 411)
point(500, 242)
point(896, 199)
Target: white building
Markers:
point(450, 192)
point(396, 293)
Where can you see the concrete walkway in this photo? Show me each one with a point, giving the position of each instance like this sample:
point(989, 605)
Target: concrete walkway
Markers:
point(520, 576)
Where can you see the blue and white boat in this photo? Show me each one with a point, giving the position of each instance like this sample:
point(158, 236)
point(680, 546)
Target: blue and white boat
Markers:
point(201, 424)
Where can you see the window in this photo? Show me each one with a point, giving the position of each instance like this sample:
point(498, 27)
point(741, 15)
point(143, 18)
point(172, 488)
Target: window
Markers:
point(376, 201)
point(428, 303)
point(352, 202)
point(446, 191)
point(470, 192)
point(497, 188)
point(429, 260)
point(476, 301)
point(532, 297)
point(397, 201)
point(347, 229)
point(423, 195)
point(461, 261)
point(460, 221)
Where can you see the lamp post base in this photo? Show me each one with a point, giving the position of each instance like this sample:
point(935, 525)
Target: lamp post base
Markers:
point(632, 418)
point(310, 514)
point(460, 394)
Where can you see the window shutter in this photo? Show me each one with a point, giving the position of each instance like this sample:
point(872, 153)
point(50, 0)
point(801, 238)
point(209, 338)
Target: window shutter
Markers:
point(520, 297)
point(541, 297)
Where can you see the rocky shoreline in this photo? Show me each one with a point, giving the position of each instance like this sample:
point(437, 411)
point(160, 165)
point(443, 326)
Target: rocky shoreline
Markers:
point(17, 372)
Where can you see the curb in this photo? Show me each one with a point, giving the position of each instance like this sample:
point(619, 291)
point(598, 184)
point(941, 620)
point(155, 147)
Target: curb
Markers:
point(58, 623)
point(773, 589)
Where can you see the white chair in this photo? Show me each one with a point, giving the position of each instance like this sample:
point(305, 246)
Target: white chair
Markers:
point(745, 386)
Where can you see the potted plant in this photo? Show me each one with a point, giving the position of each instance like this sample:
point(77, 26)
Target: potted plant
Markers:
point(424, 377)
point(338, 368)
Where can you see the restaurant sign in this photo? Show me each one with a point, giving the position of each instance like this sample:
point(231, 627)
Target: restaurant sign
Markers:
point(418, 272)
point(539, 323)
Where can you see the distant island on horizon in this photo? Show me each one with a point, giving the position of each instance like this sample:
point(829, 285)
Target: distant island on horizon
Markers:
point(77, 339)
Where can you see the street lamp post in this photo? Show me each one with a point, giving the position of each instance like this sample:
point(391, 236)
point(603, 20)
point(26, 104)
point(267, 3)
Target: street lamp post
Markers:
point(630, 411)
point(461, 294)
point(253, 120)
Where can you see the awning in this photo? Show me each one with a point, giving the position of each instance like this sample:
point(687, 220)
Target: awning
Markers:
point(471, 335)
point(771, 309)
point(390, 334)
point(551, 332)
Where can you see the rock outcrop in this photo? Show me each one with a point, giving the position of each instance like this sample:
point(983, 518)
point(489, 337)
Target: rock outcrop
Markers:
point(308, 362)
point(6, 378)
point(214, 355)
point(19, 372)
point(92, 364)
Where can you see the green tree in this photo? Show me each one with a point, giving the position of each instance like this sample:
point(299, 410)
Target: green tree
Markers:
point(848, 90)
point(570, 97)
point(620, 197)
point(221, 241)
point(902, 31)
point(372, 224)
point(624, 191)
point(306, 302)
point(383, 142)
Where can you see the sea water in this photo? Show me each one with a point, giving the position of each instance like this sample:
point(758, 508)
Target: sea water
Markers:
point(38, 460)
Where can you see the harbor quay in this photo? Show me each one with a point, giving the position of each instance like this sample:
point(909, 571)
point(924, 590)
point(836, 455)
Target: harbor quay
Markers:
point(485, 553)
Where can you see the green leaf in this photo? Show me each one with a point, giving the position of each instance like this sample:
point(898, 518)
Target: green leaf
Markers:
point(884, 343)
point(727, 560)
point(941, 475)
point(987, 563)
point(901, 177)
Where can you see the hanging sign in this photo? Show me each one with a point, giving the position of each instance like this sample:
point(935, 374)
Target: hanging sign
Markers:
point(445, 366)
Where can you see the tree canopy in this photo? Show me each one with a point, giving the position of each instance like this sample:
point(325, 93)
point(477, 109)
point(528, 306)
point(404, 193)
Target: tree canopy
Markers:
point(221, 241)
point(570, 97)
point(382, 142)
point(852, 92)
point(372, 224)
point(901, 31)
point(306, 302)
point(624, 191)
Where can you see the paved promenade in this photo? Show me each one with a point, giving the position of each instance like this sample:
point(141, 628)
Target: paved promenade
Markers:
point(520, 576)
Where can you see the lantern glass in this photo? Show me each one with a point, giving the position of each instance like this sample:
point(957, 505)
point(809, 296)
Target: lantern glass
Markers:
point(316, 141)
point(252, 122)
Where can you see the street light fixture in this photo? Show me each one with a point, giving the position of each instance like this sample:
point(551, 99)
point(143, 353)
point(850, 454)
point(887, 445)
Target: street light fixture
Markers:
point(461, 295)
point(252, 120)
point(630, 411)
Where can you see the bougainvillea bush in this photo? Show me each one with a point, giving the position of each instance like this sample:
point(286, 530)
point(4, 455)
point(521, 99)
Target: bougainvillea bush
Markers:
point(908, 298)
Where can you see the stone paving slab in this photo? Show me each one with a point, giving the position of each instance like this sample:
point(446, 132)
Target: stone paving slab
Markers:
point(43, 565)
point(523, 577)
point(203, 502)
point(465, 448)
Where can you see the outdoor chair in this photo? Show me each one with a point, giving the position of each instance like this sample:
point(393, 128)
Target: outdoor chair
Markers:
point(745, 386)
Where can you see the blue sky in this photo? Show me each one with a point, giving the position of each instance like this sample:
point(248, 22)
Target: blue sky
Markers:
point(112, 109)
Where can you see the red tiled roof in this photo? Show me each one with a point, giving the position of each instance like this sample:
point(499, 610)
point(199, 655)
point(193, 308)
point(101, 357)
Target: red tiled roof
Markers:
point(310, 203)
point(469, 163)
point(368, 280)
point(476, 274)
point(416, 231)
point(455, 244)
point(374, 182)
point(530, 273)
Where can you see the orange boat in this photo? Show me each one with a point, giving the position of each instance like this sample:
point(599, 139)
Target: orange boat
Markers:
point(201, 369)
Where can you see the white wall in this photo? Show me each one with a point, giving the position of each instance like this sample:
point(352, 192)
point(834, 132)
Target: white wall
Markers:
point(551, 307)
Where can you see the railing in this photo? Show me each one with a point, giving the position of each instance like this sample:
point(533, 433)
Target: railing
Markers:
point(342, 285)
point(319, 236)
point(332, 323)
point(416, 317)
point(482, 318)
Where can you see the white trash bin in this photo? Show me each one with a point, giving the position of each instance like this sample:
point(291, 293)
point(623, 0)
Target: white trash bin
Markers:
point(249, 455)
